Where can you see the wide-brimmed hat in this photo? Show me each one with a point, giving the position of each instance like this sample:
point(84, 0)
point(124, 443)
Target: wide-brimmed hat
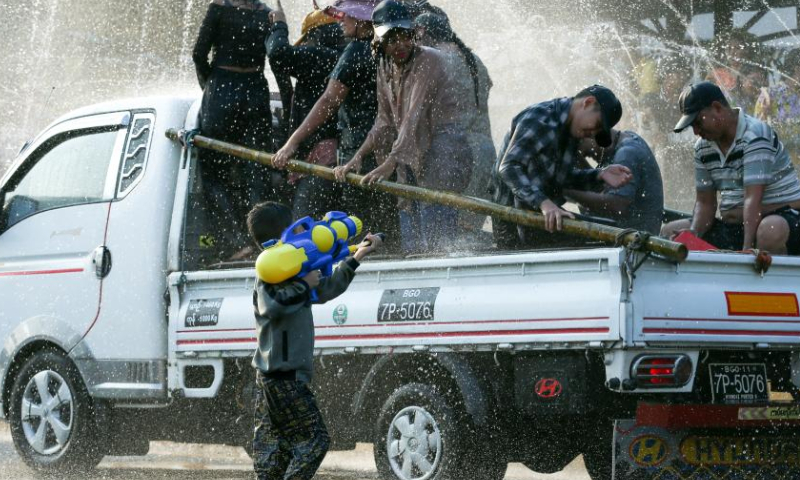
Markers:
point(358, 9)
point(389, 15)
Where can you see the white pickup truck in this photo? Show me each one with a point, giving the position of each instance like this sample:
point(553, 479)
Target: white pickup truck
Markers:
point(113, 335)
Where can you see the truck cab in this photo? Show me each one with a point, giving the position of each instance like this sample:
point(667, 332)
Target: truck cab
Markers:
point(86, 212)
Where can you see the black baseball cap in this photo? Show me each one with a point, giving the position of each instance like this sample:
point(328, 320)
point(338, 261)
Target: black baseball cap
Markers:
point(610, 110)
point(390, 14)
point(694, 98)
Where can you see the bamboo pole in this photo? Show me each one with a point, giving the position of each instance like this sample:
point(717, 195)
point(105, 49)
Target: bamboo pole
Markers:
point(672, 250)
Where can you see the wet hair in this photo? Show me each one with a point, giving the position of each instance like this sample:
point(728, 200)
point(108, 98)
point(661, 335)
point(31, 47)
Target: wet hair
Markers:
point(585, 93)
point(329, 36)
point(268, 220)
point(422, 6)
point(437, 27)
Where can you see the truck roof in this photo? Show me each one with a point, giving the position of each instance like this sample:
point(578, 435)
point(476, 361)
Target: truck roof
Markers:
point(163, 102)
point(133, 103)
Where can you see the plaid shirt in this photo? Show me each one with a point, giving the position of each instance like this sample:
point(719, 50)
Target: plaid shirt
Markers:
point(537, 159)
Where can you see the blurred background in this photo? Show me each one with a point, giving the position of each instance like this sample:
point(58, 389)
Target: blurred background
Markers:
point(62, 54)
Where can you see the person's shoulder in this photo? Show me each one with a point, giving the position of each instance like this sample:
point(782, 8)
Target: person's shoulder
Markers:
point(756, 129)
point(430, 52)
point(432, 58)
point(356, 51)
point(702, 145)
point(633, 140)
point(533, 113)
point(632, 148)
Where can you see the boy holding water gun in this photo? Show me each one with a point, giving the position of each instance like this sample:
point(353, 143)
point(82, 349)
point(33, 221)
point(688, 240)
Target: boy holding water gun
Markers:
point(290, 438)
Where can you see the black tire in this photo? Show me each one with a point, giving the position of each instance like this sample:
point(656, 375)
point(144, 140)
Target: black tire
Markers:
point(66, 408)
point(436, 442)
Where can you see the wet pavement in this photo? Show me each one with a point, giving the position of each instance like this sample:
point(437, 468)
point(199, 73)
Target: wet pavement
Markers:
point(180, 461)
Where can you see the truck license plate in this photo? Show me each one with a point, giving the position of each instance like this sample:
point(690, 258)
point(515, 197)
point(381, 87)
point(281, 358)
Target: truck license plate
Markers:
point(734, 383)
point(407, 304)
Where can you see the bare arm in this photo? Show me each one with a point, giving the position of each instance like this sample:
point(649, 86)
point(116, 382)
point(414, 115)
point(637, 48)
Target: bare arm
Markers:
point(705, 207)
point(752, 214)
point(327, 106)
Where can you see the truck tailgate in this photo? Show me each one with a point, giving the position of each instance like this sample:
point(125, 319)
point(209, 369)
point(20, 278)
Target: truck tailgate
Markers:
point(717, 298)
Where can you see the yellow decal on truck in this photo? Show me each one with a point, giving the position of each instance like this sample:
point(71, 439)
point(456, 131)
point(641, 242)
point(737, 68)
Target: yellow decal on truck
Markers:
point(711, 450)
point(762, 304)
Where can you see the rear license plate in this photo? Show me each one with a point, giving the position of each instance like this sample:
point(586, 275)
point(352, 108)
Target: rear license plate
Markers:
point(734, 383)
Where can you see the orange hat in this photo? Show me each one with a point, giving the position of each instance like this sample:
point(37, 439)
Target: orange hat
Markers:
point(315, 19)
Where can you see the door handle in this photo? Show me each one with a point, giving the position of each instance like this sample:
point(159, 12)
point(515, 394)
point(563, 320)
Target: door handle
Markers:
point(102, 261)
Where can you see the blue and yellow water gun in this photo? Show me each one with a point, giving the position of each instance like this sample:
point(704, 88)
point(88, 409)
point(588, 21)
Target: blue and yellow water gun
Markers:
point(308, 245)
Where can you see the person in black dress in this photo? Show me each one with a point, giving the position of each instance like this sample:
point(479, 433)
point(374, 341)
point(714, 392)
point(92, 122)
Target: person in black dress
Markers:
point(236, 109)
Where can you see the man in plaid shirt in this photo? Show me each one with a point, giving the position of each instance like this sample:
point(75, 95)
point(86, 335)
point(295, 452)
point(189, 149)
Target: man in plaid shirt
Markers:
point(538, 158)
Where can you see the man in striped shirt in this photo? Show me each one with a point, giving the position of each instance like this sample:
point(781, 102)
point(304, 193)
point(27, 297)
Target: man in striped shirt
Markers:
point(742, 159)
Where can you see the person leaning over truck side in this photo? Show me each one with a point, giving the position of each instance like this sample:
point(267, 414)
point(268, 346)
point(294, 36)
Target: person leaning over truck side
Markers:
point(537, 160)
point(310, 60)
point(351, 93)
point(640, 203)
point(235, 108)
point(743, 159)
point(290, 439)
point(419, 123)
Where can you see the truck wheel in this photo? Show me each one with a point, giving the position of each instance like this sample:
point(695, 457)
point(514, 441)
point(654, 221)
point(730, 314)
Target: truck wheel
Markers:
point(420, 435)
point(51, 416)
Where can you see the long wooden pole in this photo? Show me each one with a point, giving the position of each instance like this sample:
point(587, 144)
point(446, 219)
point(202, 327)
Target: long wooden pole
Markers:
point(672, 250)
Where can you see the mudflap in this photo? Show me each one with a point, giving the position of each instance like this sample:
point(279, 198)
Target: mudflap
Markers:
point(708, 442)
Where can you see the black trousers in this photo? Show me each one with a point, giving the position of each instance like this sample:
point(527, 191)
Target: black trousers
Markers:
point(235, 109)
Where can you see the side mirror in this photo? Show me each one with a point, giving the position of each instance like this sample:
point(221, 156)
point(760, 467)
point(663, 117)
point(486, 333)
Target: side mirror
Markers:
point(18, 208)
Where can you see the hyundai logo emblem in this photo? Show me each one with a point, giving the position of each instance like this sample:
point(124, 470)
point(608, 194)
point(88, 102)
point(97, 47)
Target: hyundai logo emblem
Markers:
point(548, 388)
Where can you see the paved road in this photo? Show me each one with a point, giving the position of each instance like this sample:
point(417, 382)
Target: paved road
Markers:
point(180, 461)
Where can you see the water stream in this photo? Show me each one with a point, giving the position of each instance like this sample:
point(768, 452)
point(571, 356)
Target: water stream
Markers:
point(77, 52)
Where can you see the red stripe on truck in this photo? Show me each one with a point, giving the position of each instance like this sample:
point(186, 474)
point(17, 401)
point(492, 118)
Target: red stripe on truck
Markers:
point(40, 272)
point(555, 331)
point(689, 331)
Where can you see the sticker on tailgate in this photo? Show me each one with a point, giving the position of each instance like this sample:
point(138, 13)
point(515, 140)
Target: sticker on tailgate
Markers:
point(203, 312)
point(407, 304)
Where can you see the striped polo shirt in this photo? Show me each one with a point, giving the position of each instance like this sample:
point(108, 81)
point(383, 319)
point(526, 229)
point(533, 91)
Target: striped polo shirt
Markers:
point(756, 157)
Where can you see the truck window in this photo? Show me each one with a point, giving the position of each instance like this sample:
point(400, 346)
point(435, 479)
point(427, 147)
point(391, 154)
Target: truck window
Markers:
point(71, 172)
point(134, 160)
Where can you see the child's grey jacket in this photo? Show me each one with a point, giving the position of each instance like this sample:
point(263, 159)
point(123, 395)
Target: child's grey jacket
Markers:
point(285, 325)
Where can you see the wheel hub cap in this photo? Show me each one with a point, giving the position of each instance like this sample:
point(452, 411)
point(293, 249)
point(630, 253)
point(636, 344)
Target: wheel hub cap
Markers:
point(414, 444)
point(47, 412)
